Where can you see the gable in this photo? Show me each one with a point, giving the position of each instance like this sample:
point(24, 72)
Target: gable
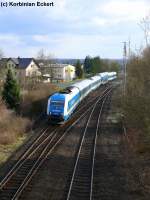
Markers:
point(13, 60)
point(32, 65)
point(11, 63)
point(25, 62)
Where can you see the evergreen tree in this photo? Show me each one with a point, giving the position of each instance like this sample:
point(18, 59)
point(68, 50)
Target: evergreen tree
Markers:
point(87, 64)
point(93, 65)
point(96, 66)
point(11, 91)
point(79, 70)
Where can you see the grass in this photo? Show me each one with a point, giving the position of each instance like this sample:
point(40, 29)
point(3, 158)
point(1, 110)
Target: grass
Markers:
point(11, 125)
point(13, 128)
point(7, 150)
point(35, 101)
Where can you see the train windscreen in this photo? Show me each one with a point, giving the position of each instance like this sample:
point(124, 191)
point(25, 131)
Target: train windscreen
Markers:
point(57, 103)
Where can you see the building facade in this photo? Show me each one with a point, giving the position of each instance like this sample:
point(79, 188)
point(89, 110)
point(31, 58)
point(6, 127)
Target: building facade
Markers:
point(62, 72)
point(25, 67)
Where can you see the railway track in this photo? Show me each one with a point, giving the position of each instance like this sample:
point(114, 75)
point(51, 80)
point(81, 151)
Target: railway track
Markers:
point(82, 177)
point(17, 179)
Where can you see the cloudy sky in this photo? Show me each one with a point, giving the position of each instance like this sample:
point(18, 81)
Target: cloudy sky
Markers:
point(73, 28)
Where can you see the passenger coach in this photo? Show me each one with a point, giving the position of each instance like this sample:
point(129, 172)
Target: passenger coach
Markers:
point(62, 104)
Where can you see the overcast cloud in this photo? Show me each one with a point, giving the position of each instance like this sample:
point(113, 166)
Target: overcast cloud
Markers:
point(73, 28)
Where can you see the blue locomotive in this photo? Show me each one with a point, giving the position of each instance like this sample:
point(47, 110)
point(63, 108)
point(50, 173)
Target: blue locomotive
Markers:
point(62, 104)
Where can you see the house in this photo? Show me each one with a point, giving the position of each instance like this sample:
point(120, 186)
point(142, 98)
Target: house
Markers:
point(25, 67)
point(58, 72)
point(62, 72)
point(44, 65)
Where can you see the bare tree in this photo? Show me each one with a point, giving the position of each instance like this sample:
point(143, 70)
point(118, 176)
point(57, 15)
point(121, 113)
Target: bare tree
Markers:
point(46, 62)
point(45, 58)
point(41, 54)
point(145, 26)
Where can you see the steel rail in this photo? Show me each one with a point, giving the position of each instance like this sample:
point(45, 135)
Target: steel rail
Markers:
point(27, 154)
point(80, 148)
point(40, 161)
point(2, 183)
point(24, 157)
point(18, 166)
point(95, 144)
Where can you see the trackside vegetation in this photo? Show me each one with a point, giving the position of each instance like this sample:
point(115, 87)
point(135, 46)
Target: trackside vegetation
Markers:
point(11, 92)
point(79, 70)
point(94, 65)
point(136, 103)
point(20, 106)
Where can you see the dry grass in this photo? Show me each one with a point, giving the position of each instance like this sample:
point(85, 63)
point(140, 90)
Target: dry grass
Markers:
point(7, 150)
point(35, 101)
point(11, 126)
point(40, 91)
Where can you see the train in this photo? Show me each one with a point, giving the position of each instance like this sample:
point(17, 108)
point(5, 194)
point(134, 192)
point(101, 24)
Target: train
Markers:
point(62, 104)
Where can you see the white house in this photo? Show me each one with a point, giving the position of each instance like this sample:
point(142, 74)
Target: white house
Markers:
point(63, 72)
point(25, 67)
point(60, 72)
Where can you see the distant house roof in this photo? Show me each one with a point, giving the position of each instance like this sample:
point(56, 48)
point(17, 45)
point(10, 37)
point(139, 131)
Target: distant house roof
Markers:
point(59, 65)
point(15, 60)
point(22, 63)
point(4, 59)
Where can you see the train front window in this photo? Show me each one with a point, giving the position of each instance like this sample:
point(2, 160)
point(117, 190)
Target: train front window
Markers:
point(57, 103)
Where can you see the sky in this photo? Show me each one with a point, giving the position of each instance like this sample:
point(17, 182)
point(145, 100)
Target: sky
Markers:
point(72, 28)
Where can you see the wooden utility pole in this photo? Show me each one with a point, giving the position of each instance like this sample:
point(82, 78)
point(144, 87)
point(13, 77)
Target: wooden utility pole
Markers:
point(129, 53)
point(125, 65)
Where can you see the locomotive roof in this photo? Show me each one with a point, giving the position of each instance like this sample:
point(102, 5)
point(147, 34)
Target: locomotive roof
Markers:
point(67, 90)
point(57, 97)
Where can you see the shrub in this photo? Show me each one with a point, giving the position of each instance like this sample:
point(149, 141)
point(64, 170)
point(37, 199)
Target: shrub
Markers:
point(11, 126)
point(136, 102)
point(35, 101)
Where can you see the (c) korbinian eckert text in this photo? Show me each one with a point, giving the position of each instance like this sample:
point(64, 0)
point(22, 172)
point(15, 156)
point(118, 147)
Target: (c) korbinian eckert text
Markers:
point(26, 4)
